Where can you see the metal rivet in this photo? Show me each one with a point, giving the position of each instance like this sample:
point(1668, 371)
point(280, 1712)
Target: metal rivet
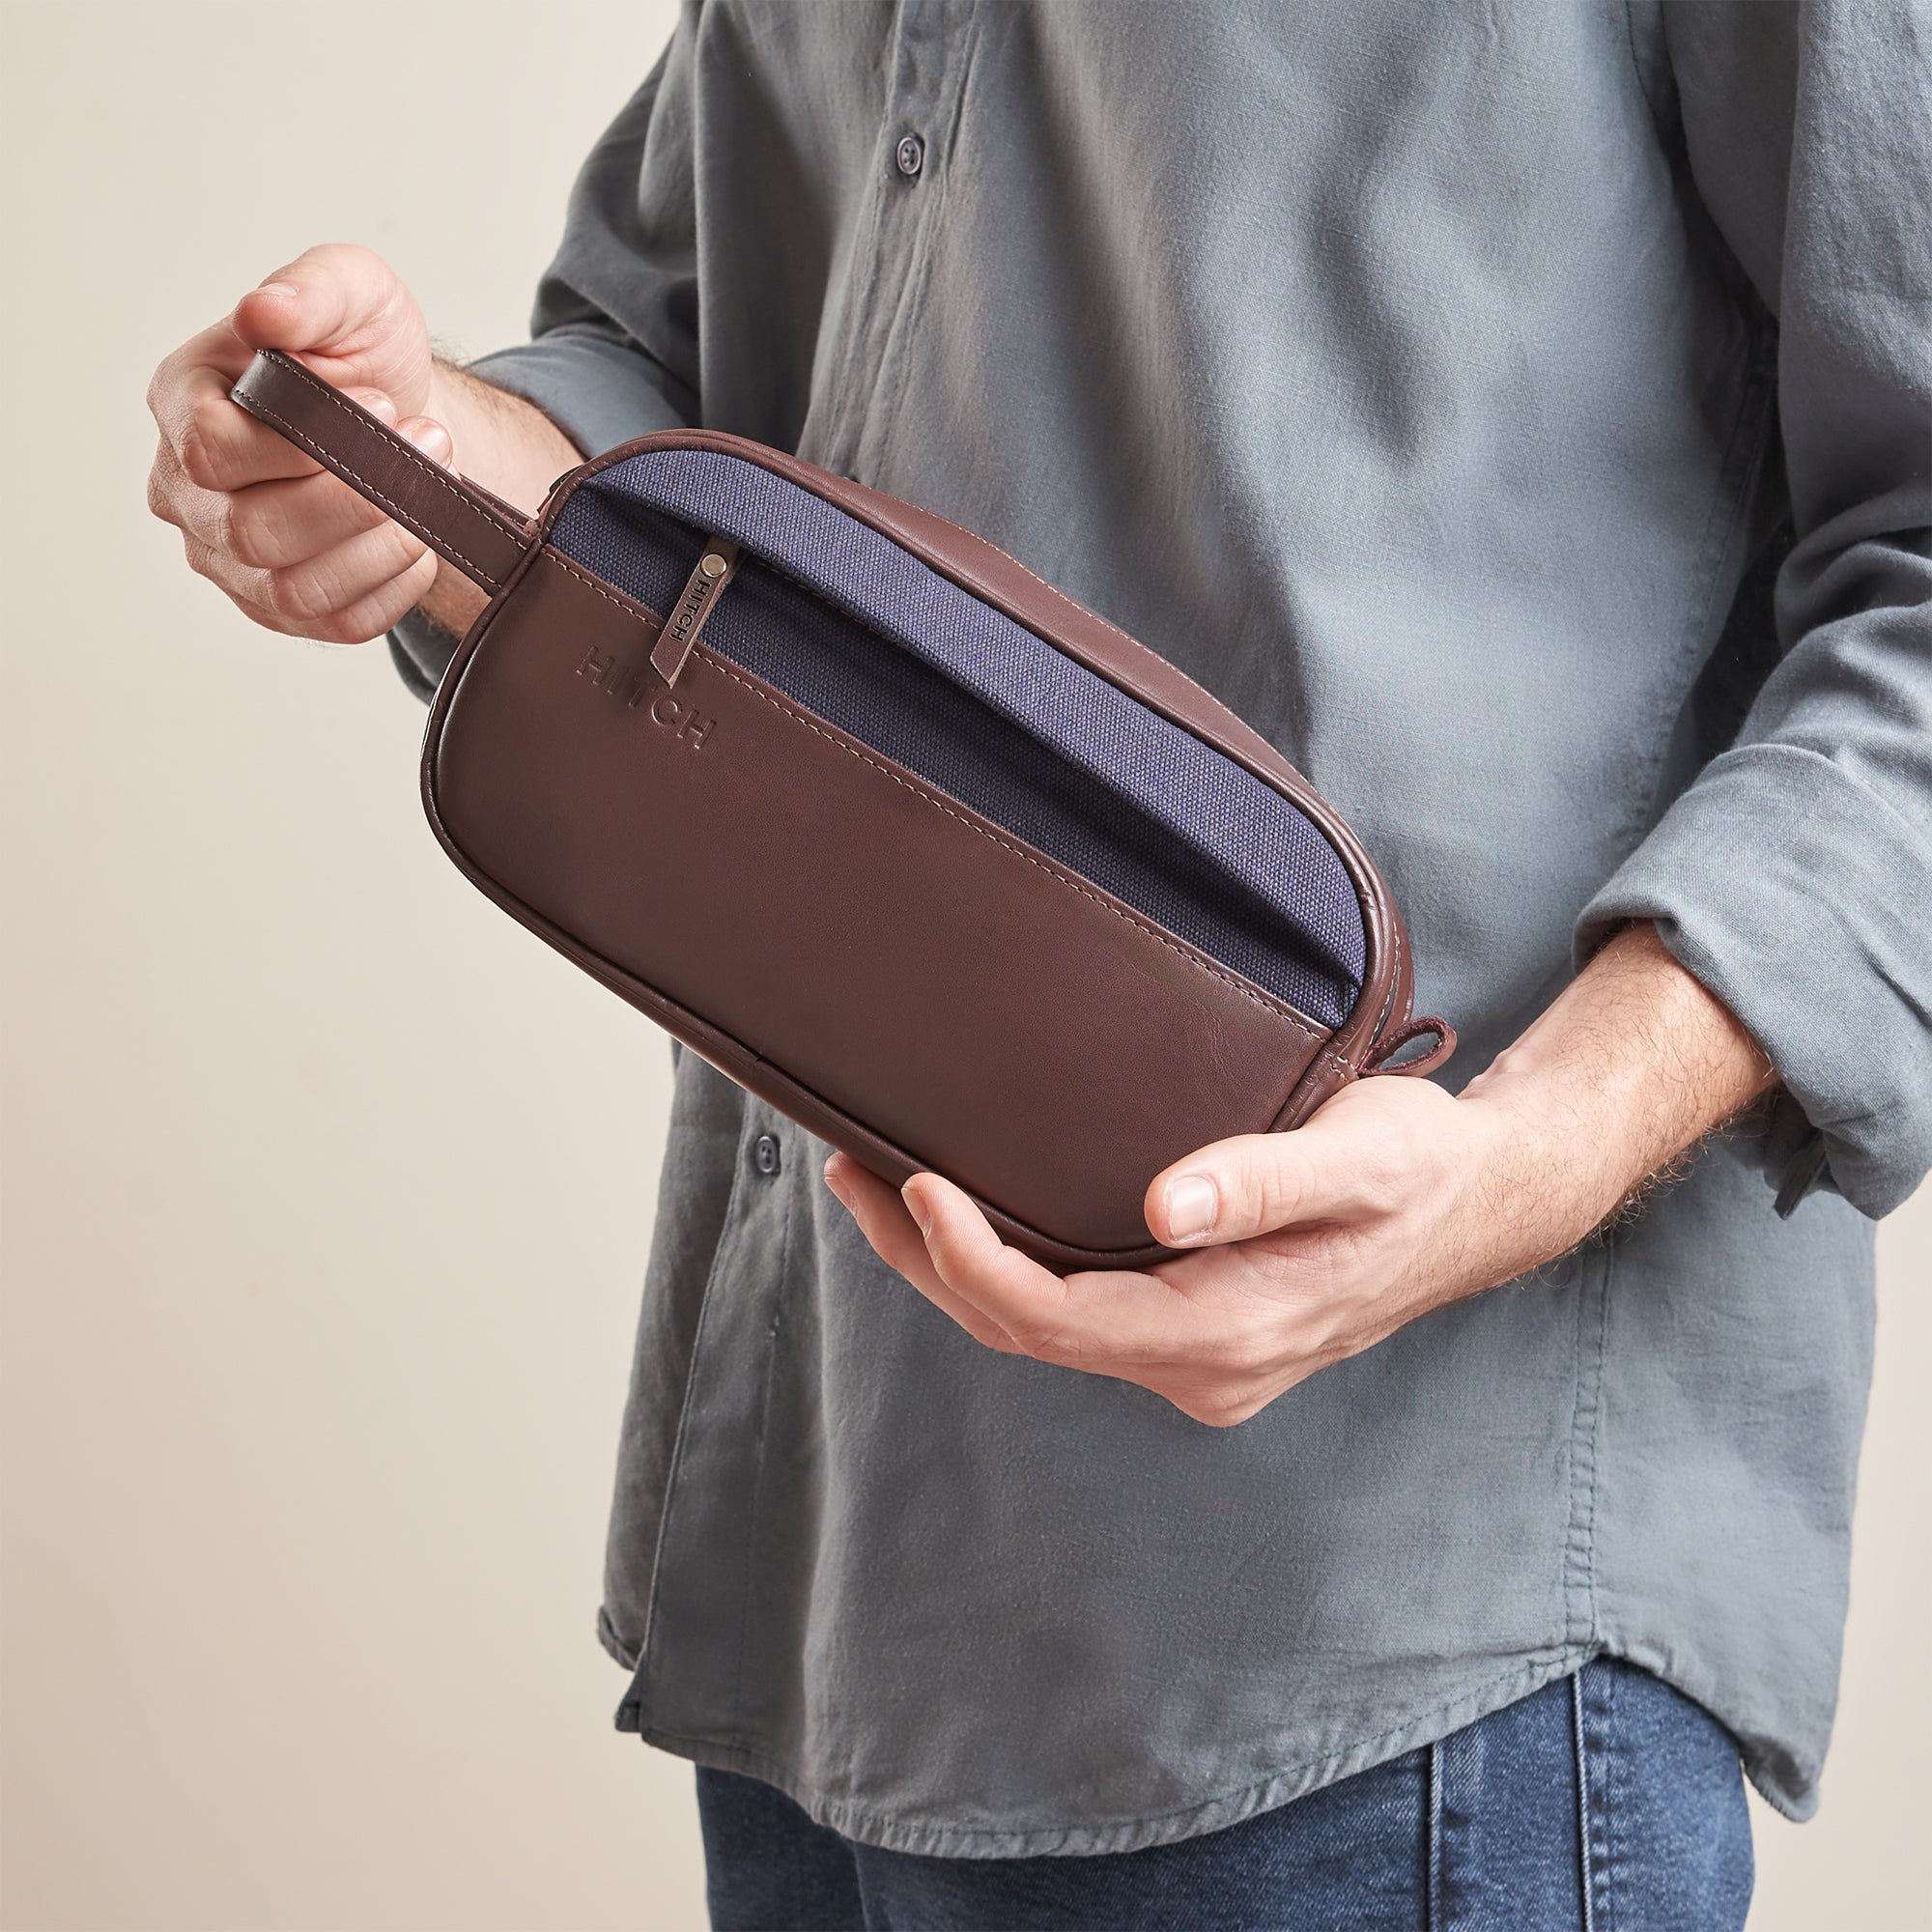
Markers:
point(711, 564)
point(910, 155)
point(765, 1153)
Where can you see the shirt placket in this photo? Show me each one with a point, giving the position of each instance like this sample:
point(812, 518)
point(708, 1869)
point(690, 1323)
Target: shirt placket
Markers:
point(926, 62)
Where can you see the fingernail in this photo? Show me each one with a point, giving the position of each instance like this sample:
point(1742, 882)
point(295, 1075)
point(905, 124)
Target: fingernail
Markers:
point(916, 1207)
point(838, 1191)
point(285, 289)
point(429, 436)
point(1193, 1202)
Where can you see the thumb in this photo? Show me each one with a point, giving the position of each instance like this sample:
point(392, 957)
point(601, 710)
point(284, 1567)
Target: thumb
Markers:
point(1337, 1167)
point(1363, 1154)
point(430, 436)
point(1229, 1191)
point(346, 313)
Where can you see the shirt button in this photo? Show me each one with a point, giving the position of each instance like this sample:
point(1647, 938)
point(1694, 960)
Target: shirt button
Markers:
point(910, 156)
point(765, 1153)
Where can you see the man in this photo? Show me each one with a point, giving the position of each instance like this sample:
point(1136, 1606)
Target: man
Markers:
point(1524, 417)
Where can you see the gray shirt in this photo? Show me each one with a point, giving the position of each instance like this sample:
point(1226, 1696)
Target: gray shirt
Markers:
point(1521, 415)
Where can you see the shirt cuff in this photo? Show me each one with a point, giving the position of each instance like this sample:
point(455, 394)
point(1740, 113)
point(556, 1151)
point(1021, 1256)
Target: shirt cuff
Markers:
point(1797, 895)
point(421, 652)
point(599, 391)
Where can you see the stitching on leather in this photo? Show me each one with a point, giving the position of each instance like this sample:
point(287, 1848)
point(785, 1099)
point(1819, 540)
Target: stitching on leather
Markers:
point(1396, 956)
point(329, 461)
point(634, 612)
point(932, 799)
point(403, 449)
point(1052, 589)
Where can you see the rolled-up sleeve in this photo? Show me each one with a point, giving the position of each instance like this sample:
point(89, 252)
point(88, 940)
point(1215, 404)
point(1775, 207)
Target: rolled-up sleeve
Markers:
point(1794, 875)
point(613, 347)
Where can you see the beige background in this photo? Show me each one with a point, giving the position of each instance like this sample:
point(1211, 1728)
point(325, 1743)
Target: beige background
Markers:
point(326, 1189)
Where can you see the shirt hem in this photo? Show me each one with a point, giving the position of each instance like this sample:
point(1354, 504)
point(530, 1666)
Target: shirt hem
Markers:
point(615, 1646)
point(886, 1832)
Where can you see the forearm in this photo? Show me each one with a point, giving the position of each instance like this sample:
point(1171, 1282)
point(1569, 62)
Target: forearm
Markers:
point(1634, 1064)
point(504, 443)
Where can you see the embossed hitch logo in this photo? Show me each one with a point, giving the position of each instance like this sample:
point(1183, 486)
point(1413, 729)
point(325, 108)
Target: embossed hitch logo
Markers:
point(630, 687)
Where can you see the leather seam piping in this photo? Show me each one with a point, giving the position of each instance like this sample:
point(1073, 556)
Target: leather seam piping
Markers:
point(1180, 952)
point(634, 611)
point(415, 525)
point(413, 456)
point(1054, 590)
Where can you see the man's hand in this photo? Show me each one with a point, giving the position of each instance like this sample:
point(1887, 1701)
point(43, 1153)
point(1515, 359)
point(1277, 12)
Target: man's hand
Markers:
point(297, 549)
point(1394, 1198)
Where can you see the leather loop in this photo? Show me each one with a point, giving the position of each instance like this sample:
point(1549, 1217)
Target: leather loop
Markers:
point(465, 525)
point(1386, 1048)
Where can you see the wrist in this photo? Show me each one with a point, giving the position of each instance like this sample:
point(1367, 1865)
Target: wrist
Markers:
point(506, 444)
point(1635, 1063)
point(1558, 1155)
point(502, 441)
point(1541, 1172)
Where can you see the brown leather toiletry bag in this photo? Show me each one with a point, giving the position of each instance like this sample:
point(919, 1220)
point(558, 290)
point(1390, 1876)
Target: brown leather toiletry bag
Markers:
point(896, 835)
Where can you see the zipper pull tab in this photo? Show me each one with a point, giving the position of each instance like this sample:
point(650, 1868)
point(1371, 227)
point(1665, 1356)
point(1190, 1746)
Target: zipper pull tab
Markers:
point(716, 566)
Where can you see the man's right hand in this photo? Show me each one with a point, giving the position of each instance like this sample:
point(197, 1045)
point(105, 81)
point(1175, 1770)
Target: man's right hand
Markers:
point(297, 549)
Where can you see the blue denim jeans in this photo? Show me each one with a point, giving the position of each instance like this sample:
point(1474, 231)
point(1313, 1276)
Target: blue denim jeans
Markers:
point(1605, 1801)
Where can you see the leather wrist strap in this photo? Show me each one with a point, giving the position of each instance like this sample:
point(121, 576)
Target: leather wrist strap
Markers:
point(477, 532)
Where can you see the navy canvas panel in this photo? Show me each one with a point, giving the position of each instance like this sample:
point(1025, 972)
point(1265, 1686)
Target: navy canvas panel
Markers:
point(865, 635)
